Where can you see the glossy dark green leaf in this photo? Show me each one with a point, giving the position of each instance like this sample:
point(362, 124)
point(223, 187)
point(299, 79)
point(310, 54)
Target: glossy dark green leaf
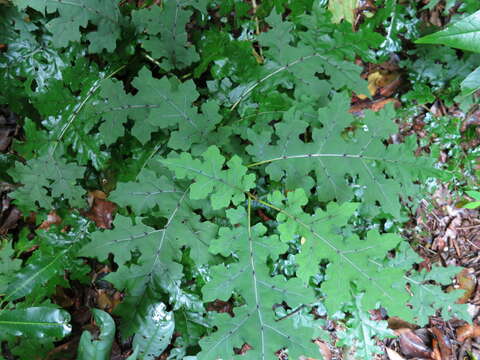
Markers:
point(155, 332)
point(46, 267)
point(464, 34)
point(37, 322)
point(471, 82)
point(99, 348)
point(8, 265)
point(77, 14)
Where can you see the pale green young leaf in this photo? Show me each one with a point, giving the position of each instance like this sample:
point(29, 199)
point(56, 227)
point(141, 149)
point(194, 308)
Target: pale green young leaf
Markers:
point(224, 186)
point(472, 205)
point(474, 194)
point(342, 10)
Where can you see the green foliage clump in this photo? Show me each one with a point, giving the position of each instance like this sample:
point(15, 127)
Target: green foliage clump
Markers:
point(195, 134)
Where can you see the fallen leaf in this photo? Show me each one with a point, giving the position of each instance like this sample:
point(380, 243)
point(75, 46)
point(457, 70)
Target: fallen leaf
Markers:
point(220, 307)
point(262, 215)
point(342, 10)
point(436, 354)
point(467, 331)
point(324, 349)
point(104, 300)
point(395, 323)
point(378, 105)
point(383, 82)
point(101, 211)
point(245, 347)
point(390, 89)
point(467, 281)
point(52, 219)
point(412, 345)
point(445, 349)
point(393, 355)
point(10, 219)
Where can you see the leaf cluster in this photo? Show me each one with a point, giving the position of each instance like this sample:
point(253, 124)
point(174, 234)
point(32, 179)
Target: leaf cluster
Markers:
point(228, 150)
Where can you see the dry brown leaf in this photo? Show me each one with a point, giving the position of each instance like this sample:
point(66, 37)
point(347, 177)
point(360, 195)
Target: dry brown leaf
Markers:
point(444, 348)
point(467, 331)
point(101, 211)
point(390, 89)
point(378, 105)
point(395, 323)
point(324, 349)
point(221, 306)
point(104, 300)
point(436, 354)
point(412, 345)
point(245, 347)
point(52, 219)
point(467, 281)
point(393, 355)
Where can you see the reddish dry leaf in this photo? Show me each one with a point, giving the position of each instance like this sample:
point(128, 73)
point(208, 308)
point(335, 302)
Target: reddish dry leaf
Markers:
point(104, 301)
point(245, 347)
point(444, 348)
point(467, 331)
point(262, 215)
point(102, 211)
point(52, 219)
point(378, 105)
point(220, 307)
point(324, 350)
point(412, 345)
point(391, 88)
point(436, 354)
